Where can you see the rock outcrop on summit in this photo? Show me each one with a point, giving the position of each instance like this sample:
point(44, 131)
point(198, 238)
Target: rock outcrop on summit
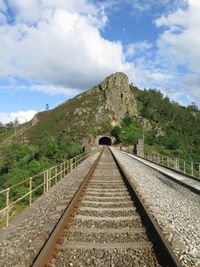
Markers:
point(119, 99)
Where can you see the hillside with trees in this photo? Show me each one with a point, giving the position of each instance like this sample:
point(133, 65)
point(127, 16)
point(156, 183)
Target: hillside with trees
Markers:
point(175, 129)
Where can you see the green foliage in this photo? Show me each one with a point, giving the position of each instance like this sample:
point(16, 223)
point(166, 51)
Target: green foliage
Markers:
point(23, 161)
point(116, 133)
point(16, 154)
point(48, 146)
point(180, 125)
point(129, 132)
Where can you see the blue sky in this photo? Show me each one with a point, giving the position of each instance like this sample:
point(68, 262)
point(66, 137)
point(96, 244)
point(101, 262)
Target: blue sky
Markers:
point(52, 50)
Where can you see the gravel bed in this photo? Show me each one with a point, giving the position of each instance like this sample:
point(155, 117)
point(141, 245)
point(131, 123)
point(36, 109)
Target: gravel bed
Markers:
point(176, 208)
point(106, 237)
point(116, 191)
point(115, 183)
point(126, 223)
point(26, 234)
point(105, 194)
point(107, 186)
point(105, 258)
point(106, 199)
point(105, 205)
point(110, 213)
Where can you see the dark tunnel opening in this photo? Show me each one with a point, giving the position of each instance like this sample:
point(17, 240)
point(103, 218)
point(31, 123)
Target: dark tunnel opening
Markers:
point(105, 141)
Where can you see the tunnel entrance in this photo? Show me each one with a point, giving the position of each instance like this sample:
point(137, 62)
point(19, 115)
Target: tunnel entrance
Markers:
point(105, 141)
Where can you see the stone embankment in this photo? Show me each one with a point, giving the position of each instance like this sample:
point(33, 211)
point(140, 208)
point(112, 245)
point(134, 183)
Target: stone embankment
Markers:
point(175, 207)
point(20, 242)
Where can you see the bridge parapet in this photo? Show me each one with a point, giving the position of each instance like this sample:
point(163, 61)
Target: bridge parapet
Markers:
point(187, 167)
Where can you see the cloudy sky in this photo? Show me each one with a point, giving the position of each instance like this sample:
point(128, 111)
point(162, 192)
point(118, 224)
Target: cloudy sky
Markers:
point(51, 50)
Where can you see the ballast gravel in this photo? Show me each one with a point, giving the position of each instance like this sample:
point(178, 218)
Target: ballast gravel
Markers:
point(176, 208)
point(106, 258)
point(21, 241)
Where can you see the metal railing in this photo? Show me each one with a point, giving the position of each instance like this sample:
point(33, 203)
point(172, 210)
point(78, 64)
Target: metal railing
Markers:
point(30, 189)
point(187, 167)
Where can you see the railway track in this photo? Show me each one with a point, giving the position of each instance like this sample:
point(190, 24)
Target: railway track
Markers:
point(106, 224)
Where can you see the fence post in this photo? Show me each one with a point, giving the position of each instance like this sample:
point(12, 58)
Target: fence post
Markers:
point(30, 191)
point(167, 162)
point(60, 170)
point(64, 169)
point(67, 168)
point(57, 172)
point(44, 178)
point(56, 178)
point(7, 206)
point(71, 164)
point(49, 177)
point(47, 182)
point(192, 169)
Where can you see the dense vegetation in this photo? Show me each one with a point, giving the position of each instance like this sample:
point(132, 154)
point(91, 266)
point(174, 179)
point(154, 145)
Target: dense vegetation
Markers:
point(175, 129)
point(128, 132)
point(20, 161)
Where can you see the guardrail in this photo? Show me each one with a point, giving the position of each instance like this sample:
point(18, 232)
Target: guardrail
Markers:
point(187, 167)
point(30, 189)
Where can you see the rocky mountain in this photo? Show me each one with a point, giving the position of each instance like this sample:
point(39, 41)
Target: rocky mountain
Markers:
point(89, 114)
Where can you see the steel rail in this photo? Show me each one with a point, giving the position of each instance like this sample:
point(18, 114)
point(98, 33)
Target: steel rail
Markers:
point(161, 244)
point(46, 252)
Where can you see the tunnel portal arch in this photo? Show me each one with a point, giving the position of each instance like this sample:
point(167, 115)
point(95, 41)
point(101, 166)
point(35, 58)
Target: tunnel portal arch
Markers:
point(105, 140)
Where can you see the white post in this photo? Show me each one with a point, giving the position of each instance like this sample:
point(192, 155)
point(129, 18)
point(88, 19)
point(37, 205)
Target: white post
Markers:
point(56, 178)
point(47, 182)
point(71, 164)
point(7, 206)
point(30, 192)
point(192, 169)
point(49, 177)
point(44, 179)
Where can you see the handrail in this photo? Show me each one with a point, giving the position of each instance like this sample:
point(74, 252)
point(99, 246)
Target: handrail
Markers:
point(191, 168)
point(45, 179)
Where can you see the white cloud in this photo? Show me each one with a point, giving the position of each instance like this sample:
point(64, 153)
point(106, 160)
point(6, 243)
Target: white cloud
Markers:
point(59, 44)
point(137, 48)
point(55, 90)
point(21, 116)
point(179, 47)
point(143, 6)
point(62, 45)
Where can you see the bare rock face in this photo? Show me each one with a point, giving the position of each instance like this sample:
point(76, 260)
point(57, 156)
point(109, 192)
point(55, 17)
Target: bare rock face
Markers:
point(119, 100)
point(34, 120)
